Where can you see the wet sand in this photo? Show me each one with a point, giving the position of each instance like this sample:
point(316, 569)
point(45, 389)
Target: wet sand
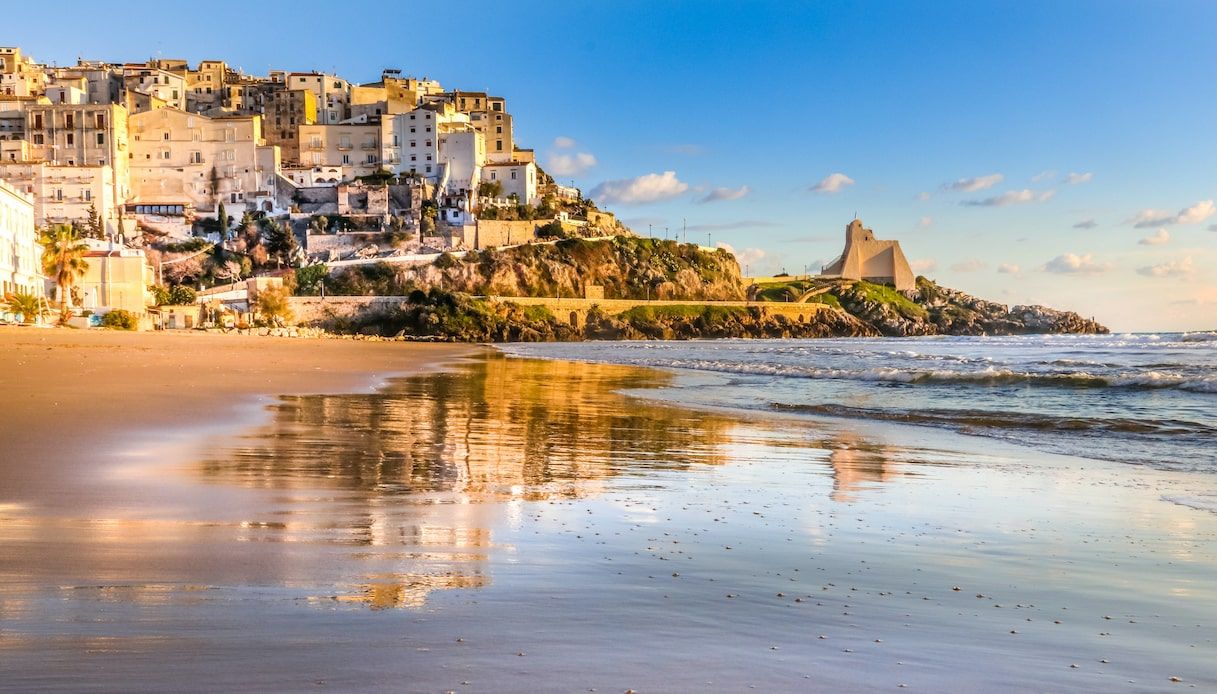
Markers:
point(517, 525)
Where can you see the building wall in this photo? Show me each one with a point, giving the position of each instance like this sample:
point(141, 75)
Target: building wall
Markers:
point(20, 254)
point(516, 179)
point(168, 86)
point(174, 154)
point(286, 110)
point(357, 146)
point(463, 153)
point(493, 233)
point(116, 279)
point(333, 94)
point(65, 194)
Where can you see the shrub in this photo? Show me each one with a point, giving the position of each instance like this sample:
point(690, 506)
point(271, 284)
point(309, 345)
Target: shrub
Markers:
point(272, 305)
point(118, 319)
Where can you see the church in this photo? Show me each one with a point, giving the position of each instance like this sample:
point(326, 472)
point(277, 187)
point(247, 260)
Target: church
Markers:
point(867, 258)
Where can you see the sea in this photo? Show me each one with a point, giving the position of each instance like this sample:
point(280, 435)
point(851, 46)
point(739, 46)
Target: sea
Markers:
point(1138, 398)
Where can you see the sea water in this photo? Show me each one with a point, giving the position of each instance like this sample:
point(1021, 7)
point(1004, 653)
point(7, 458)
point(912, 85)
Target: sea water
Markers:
point(1147, 399)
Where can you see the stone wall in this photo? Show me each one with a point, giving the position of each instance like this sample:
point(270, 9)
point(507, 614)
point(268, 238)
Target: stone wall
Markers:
point(492, 233)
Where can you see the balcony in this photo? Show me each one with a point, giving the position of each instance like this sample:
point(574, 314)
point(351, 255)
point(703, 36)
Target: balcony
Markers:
point(371, 146)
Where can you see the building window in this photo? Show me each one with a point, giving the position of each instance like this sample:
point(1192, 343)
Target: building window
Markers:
point(101, 120)
point(165, 136)
point(71, 139)
point(38, 121)
point(498, 145)
point(101, 138)
point(346, 159)
point(513, 175)
point(38, 139)
point(69, 120)
point(88, 195)
point(498, 130)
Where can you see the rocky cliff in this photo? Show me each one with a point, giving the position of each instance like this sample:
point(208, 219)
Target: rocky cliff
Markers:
point(626, 267)
point(929, 310)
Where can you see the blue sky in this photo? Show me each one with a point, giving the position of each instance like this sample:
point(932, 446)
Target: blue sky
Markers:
point(958, 123)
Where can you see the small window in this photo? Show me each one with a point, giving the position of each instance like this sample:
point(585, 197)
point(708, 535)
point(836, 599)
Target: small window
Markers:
point(101, 138)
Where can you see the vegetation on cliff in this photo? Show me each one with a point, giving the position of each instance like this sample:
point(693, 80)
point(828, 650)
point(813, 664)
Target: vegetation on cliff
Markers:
point(627, 267)
point(930, 310)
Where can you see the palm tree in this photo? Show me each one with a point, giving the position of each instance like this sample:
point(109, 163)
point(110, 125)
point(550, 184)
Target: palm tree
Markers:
point(63, 259)
point(28, 305)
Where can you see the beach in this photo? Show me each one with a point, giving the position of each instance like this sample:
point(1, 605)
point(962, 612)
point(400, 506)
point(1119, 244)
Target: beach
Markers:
point(209, 512)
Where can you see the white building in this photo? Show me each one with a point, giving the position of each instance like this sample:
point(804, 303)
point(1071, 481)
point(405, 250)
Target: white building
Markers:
point(19, 251)
point(412, 140)
point(169, 87)
point(515, 178)
point(462, 154)
point(333, 94)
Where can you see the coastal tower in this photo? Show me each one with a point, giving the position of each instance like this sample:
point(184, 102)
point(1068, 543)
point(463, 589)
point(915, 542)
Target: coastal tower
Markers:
point(867, 258)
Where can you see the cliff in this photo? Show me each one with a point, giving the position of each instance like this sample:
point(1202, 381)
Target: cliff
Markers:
point(627, 267)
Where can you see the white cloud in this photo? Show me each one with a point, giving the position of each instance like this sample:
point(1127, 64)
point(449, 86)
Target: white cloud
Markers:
point(971, 185)
point(1197, 213)
point(1008, 269)
point(574, 164)
point(969, 265)
point(650, 187)
point(925, 222)
point(1086, 224)
point(718, 194)
point(923, 196)
point(746, 257)
point(1075, 178)
point(1043, 176)
point(923, 265)
point(1149, 218)
point(1013, 197)
point(833, 183)
point(1158, 238)
point(1069, 263)
point(563, 142)
point(1174, 268)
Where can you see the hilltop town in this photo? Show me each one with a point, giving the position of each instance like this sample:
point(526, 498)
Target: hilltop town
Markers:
point(147, 156)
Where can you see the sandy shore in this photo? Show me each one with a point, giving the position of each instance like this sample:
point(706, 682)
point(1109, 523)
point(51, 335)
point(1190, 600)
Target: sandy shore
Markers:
point(71, 396)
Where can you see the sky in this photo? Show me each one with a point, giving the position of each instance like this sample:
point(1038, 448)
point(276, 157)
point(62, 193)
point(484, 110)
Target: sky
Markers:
point(1062, 153)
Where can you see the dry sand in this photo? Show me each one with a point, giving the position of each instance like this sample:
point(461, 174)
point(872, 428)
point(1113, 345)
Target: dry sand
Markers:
point(71, 396)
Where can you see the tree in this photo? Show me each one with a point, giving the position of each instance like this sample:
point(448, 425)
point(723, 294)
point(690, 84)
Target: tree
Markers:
point(63, 260)
point(310, 277)
point(29, 306)
point(273, 305)
point(92, 224)
point(490, 189)
point(224, 221)
point(281, 242)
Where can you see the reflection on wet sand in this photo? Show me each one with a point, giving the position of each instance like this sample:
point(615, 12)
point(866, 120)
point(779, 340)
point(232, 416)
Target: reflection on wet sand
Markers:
point(496, 429)
point(417, 465)
point(858, 464)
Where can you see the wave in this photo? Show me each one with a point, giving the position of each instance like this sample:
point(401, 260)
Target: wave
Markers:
point(1199, 337)
point(971, 419)
point(990, 376)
